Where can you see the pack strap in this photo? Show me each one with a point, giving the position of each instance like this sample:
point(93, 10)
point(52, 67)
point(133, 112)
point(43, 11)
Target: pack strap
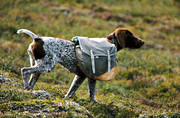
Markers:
point(92, 61)
point(109, 62)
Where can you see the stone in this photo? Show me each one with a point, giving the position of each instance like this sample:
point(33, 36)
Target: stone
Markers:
point(39, 94)
point(4, 79)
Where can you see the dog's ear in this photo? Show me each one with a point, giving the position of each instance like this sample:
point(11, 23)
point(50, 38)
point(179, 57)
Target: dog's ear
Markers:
point(110, 36)
point(120, 37)
point(117, 38)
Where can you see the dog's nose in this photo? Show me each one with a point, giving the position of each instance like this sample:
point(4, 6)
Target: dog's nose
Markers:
point(142, 42)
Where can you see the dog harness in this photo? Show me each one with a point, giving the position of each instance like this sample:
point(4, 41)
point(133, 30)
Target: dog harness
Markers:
point(99, 52)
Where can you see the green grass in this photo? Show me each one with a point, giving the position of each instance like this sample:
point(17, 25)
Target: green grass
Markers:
point(148, 82)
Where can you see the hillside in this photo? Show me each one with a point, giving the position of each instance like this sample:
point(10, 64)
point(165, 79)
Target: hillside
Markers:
point(147, 85)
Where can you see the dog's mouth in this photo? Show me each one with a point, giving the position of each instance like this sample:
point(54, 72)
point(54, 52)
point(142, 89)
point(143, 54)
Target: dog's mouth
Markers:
point(134, 43)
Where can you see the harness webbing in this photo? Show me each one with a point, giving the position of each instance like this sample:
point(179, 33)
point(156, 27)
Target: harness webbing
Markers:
point(92, 61)
point(109, 62)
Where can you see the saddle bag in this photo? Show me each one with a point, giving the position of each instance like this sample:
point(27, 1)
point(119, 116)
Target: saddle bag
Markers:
point(96, 57)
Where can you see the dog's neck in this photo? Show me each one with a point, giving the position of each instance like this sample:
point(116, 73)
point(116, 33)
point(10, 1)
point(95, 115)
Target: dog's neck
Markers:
point(116, 43)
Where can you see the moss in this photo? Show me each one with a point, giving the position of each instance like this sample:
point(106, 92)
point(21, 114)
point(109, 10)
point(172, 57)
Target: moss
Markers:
point(11, 95)
point(107, 110)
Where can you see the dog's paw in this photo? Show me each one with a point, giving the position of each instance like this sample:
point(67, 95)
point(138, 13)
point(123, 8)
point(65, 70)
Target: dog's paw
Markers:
point(68, 96)
point(93, 100)
point(27, 87)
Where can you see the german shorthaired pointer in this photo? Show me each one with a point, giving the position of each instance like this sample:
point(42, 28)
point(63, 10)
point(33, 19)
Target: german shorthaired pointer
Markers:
point(44, 52)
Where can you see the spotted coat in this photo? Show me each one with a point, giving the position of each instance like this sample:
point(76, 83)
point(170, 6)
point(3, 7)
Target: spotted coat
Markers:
point(59, 50)
point(56, 50)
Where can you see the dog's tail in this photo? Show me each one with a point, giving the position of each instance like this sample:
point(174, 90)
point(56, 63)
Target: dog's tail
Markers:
point(31, 34)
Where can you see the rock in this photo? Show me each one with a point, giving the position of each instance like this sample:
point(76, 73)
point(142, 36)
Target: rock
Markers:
point(46, 108)
point(39, 94)
point(4, 79)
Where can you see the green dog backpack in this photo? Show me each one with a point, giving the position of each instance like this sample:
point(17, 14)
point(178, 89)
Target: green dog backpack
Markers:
point(96, 56)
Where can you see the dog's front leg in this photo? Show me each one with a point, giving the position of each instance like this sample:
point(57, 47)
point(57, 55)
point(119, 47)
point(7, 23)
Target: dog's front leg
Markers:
point(92, 87)
point(77, 81)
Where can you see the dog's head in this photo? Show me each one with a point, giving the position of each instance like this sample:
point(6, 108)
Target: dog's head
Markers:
point(123, 38)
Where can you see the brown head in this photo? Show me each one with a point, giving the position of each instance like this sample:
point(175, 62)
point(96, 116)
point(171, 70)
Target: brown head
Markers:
point(123, 38)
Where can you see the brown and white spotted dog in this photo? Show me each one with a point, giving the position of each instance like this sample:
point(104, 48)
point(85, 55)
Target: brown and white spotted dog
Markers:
point(45, 52)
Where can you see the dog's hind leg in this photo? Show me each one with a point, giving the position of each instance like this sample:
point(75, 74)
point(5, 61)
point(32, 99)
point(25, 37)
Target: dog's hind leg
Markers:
point(33, 80)
point(25, 72)
point(41, 67)
point(34, 77)
point(77, 81)
point(92, 87)
point(31, 58)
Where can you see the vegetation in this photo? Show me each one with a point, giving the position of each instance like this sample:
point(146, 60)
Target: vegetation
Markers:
point(148, 83)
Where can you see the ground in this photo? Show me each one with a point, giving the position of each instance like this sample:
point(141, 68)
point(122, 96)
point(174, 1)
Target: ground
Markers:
point(146, 85)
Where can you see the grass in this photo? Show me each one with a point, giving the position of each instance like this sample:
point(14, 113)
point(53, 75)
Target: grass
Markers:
point(148, 83)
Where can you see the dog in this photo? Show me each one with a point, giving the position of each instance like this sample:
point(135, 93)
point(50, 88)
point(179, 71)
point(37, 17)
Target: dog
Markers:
point(45, 52)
